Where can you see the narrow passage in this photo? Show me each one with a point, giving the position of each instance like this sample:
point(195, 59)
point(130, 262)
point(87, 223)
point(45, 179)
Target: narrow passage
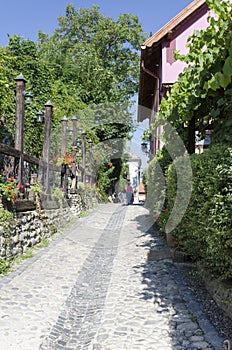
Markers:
point(81, 315)
point(94, 288)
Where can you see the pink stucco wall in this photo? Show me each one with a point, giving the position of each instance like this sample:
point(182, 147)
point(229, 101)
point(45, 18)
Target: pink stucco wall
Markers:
point(171, 68)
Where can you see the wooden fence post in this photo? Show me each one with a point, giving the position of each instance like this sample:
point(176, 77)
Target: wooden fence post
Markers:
point(19, 123)
point(46, 147)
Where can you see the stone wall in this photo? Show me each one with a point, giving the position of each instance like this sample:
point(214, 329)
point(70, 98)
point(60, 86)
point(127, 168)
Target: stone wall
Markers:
point(81, 201)
point(30, 227)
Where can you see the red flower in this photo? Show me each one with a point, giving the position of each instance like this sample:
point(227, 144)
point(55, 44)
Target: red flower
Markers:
point(4, 172)
point(10, 178)
point(20, 185)
point(110, 165)
point(8, 188)
point(67, 159)
point(12, 195)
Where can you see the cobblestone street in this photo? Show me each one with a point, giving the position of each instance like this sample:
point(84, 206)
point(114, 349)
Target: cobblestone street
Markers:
point(94, 288)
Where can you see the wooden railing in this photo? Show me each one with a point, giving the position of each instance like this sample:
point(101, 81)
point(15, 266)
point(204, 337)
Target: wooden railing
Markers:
point(31, 165)
point(39, 164)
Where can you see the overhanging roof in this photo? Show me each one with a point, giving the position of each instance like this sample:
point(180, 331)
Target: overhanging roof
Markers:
point(175, 22)
point(151, 51)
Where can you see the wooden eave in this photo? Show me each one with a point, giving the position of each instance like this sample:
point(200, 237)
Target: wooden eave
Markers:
point(188, 11)
point(151, 51)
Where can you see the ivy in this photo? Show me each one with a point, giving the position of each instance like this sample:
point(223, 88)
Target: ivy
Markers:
point(90, 59)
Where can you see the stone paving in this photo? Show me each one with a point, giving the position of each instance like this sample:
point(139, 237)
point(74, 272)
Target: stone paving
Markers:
point(94, 289)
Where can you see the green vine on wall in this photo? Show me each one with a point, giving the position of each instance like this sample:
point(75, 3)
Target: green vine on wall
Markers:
point(204, 89)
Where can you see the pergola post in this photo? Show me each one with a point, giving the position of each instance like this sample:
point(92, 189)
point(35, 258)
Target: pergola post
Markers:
point(19, 123)
point(46, 147)
point(83, 155)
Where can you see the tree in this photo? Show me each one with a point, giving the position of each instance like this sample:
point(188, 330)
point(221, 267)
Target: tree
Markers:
point(23, 58)
point(89, 60)
point(95, 55)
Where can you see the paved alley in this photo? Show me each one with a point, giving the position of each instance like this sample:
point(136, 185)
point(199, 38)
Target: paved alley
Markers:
point(93, 288)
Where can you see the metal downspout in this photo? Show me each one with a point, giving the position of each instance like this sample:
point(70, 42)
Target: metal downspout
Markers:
point(156, 102)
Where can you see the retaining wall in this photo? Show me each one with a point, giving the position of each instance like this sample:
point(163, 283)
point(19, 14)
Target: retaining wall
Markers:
point(30, 227)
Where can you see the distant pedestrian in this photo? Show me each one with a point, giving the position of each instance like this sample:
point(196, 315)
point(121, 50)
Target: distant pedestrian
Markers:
point(115, 197)
point(129, 193)
point(132, 198)
point(121, 197)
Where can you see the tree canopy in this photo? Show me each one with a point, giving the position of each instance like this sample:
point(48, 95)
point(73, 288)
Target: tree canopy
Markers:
point(90, 59)
point(96, 56)
point(87, 67)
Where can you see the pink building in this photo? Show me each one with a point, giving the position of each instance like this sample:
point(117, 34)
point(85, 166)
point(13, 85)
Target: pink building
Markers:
point(159, 69)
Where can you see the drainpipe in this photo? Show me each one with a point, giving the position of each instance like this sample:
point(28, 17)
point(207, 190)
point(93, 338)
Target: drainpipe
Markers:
point(155, 76)
point(149, 71)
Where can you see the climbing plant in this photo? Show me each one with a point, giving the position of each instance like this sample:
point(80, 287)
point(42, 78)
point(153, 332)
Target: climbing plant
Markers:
point(204, 89)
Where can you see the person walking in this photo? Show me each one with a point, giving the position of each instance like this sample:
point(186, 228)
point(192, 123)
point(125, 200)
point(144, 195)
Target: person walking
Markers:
point(129, 193)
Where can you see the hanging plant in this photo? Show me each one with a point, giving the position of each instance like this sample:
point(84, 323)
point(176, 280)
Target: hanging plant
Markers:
point(10, 190)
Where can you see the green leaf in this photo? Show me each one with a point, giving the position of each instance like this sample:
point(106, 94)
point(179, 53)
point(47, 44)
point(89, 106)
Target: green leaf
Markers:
point(214, 113)
point(227, 69)
point(225, 80)
point(221, 102)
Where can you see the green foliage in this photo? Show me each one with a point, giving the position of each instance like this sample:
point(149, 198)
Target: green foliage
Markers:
point(84, 213)
point(203, 91)
point(22, 56)
point(36, 188)
point(43, 243)
point(8, 188)
point(89, 60)
point(204, 88)
point(4, 266)
point(28, 254)
point(205, 230)
point(58, 194)
point(155, 182)
point(162, 219)
point(94, 55)
point(7, 84)
point(6, 218)
point(122, 176)
point(105, 179)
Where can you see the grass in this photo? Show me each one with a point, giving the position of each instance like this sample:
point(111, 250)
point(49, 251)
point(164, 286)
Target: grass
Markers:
point(44, 243)
point(84, 213)
point(27, 255)
point(4, 266)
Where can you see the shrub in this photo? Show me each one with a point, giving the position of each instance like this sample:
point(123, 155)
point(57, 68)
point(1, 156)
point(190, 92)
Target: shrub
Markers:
point(6, 218)
point(155, 183)
point(205, 230)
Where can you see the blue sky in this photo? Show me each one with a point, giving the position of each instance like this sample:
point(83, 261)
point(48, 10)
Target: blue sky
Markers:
point(26, 17)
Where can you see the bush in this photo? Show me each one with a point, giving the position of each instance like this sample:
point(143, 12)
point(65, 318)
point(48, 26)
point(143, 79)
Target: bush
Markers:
point(205, 231)
point(155, 183)
point(6, 218)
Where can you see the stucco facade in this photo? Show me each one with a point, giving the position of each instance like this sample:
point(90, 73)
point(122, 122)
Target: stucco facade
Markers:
point(170, 67)
point(159, 69)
